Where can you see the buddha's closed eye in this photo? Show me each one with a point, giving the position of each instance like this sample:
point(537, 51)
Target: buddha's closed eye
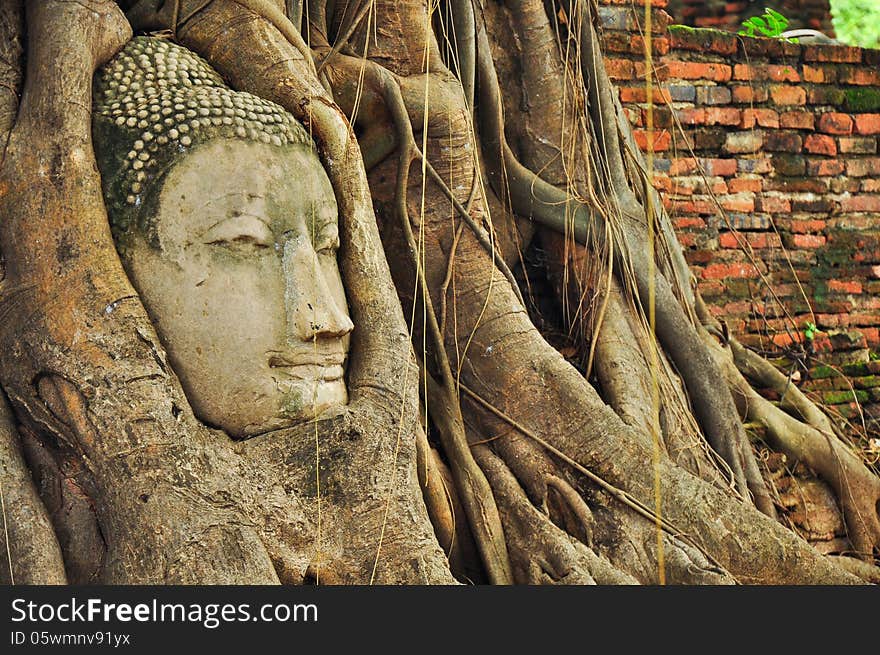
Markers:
point(241, 230)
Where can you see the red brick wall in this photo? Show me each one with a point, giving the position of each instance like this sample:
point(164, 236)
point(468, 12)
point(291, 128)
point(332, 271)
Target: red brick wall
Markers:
point(767, 159)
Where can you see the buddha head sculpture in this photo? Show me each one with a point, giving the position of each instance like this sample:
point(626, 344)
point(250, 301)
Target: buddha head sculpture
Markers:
point(227, 225)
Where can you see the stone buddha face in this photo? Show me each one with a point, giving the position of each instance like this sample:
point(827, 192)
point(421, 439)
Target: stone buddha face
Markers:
point(232, 246)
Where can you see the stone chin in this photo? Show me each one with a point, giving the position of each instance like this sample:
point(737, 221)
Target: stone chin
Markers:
point(300, 401)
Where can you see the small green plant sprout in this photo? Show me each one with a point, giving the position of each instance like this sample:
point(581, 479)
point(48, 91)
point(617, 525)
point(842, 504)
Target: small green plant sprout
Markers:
point(771, 24)
point(810, 331)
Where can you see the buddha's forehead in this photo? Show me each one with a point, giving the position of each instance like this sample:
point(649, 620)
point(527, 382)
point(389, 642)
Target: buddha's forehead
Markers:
point(286, 187)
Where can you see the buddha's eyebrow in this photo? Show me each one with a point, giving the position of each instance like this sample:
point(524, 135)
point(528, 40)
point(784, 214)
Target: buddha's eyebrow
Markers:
point(245, 196)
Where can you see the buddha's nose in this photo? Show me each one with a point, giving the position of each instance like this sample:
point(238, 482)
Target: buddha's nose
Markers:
point(313, 310)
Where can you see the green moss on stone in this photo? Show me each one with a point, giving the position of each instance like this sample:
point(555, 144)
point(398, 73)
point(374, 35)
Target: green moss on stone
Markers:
point(820, 372)
point(863, 99)
point(841, 397)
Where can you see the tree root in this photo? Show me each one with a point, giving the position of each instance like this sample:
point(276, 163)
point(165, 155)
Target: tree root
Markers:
point(542, 553)
point(29, 551)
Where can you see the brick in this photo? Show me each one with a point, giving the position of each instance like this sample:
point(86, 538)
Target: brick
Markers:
point(687, 240)
point(639, 93)
point(700, 40)
point(743, 184)
point(817, 74)
point(763, 117)
point(761, 165)
point(839, 286)
point(806, 226)
point(789, 165)
point(820, 144)
point(723, 116)
point(757, 240)
point(738, 202)
point(824, 95)
point(835, 53)
point(662, 115)
point(743, 142)
point(713, 95)
point(772, 72)
point(694, 206)
point(662, 139)
point(781, 141)
point(860, 204)
point(749, 94)
point(824, 167)
point(772, 48)
point(682, 166)
point(686, 222)
point(859, 76)
point(739, 221)
point(719, 167)
point(807, 240)
point(682, 92)
point(862, 99)
point(773, 204)
point(788, 95)
point(708, 138)
point(691, 116)
point(863, 167)
point(800, 120)
point(722, 271)
point(867, 123)
point(835, 123)
point(797, 184)
point(812, 205)
point(694, 70)
point(633, 43)
point(860, 145)
point(620, 69)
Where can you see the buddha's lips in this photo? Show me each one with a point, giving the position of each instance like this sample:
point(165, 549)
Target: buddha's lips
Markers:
point(310, 366)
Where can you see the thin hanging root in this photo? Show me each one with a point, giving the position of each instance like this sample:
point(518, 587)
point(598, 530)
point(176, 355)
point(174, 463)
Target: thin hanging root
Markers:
point(343, 39)
point(450, 269)
point(474, 490)
point(464, 32)
point(618, 494)
point(577, 505)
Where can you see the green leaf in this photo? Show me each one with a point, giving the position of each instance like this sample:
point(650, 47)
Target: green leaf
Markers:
point(810, 331)
point(758, 22)
point(779, 17)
